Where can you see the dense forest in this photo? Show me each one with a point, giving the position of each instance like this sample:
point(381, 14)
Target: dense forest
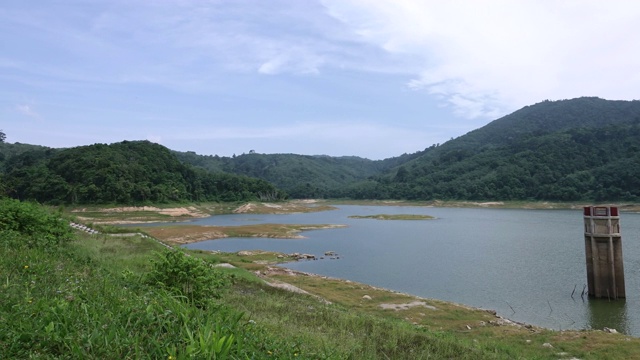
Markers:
point(585, 149)
point(570, 150)
point(301, 176)
point(128, 172)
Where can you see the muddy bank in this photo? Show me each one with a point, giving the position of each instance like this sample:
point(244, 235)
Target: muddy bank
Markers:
point(185, 234)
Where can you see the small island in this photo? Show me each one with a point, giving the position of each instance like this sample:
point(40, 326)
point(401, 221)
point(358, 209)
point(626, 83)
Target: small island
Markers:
point(393, 217)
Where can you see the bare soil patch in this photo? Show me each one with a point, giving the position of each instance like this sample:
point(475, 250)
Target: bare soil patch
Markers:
point(288, 207)
point(136, 214)
point(179, 211)
point(186, 234)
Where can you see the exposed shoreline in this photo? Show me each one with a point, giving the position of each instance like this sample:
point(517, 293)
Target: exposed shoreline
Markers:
point(414, 300)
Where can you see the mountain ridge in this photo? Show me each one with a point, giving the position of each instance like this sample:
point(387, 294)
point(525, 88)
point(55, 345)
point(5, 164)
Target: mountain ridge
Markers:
point(578, 149)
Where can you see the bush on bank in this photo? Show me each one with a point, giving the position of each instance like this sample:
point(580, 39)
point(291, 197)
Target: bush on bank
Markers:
point(29, 224)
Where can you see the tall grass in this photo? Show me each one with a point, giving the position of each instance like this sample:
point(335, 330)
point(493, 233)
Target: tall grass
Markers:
point(62, 304)
point(331, 331)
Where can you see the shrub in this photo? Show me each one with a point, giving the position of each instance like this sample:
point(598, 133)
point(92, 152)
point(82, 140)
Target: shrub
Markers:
point(192, 278)
point(29, 224)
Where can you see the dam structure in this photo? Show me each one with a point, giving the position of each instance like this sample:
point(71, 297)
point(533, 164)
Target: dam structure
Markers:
point(603, 250)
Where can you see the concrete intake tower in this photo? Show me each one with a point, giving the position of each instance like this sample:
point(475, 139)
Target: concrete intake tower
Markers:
point(603, 249)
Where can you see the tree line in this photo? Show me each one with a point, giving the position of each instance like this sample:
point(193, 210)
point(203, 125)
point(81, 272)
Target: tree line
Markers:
point(301, 176)
point(127, 172)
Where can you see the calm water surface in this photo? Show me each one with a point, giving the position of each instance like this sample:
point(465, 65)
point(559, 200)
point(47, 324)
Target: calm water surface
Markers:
point(522, 263)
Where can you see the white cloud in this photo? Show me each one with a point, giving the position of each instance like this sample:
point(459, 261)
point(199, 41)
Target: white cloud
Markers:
point(178, 41)
point(187, 43)
point(485, 58)
point(27, 110)
point(301, 62)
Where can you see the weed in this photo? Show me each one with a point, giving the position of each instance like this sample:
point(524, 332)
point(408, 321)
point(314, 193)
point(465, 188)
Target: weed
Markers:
point(191, 278)
point(28, 224)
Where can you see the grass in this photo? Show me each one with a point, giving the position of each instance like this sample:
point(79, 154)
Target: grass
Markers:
point(332, 331)
point(76, 302)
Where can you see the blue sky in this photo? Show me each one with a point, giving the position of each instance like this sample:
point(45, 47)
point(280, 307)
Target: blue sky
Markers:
point(374, 78)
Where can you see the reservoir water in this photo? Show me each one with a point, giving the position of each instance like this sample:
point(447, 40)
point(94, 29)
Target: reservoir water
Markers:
point(524, 264)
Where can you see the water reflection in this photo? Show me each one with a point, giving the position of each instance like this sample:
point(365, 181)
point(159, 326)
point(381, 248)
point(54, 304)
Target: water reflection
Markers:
point(603, 313)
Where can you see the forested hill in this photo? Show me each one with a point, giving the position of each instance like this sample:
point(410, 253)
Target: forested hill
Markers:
point(585, 149)
point(552, 116)
point(579, 149)
point(301, 176)
point(128, 172)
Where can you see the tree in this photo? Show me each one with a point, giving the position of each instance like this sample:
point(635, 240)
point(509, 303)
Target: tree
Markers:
point(402, 175)
point(128, 172)
point(3, 136)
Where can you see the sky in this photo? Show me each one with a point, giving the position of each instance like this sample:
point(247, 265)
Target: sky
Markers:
point(368, 78)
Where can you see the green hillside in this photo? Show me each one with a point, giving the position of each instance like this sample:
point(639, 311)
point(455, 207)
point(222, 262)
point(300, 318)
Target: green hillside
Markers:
point(7, 151)
point(580, 149)
point(127, 172)
point(301, 176)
